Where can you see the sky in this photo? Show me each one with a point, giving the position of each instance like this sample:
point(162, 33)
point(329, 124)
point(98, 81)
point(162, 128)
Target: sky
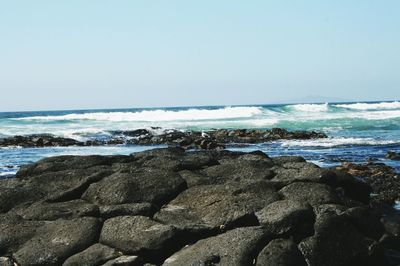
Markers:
point(73, 54)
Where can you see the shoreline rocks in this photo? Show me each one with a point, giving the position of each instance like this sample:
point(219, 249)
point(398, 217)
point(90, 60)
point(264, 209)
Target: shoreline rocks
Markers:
point(209, 140)
point(383, 179)
point(175, 207)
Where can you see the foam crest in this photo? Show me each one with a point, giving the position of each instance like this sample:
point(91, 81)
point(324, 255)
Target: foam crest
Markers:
point(158, 115)
point(310, 107)
point(370, 106)
point(335, 142)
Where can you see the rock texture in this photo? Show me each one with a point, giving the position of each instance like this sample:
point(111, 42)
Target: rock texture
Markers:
point(175, 207)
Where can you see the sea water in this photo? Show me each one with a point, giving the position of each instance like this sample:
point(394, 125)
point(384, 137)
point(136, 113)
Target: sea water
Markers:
point(357, 131)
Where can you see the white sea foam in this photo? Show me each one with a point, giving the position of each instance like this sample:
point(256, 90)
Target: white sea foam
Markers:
point(159, 115)
point(335, 142)
point(310, 107)
point(370, 106)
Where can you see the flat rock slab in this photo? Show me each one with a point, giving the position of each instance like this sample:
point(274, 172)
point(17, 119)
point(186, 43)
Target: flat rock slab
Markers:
point(140, 234)
point(235, 247)
point(282, 217)
point(150, 185)
point(311, 193)
point(214, 206)
point(55, 241)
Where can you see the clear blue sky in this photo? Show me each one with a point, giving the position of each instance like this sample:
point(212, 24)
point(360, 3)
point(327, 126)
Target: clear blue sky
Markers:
point(103, 54)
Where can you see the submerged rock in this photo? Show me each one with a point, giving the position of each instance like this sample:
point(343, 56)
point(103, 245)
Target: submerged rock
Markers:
point(391, 155)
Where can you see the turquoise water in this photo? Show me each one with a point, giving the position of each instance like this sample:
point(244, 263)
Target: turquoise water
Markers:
point(357, 131)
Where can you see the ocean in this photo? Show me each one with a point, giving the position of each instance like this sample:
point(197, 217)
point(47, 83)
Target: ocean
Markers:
point(358, 131)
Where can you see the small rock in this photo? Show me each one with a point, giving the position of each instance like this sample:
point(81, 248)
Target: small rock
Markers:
point(124, 261)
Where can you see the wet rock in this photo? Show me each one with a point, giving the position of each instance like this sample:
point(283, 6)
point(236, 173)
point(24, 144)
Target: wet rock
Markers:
point(236, 247)
point(138, 235)
point(149, 185)
point(311, 193)
point(38, 141)
point(281, 252)
point(215, 206)
point(210, 140)
point(56, 241)
point(391, 155)
point(96, 254)
point(282, 217)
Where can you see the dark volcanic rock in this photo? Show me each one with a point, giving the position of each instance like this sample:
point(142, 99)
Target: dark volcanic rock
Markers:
point(291, 172)
point(92, 256)
point(150, 185)
point(13, 196)
point(312, 193)
point(125, 261)
point(235, 247)
point(140, 235)
point(58, 240)
point(15, 231)
point(217, 206)
point(281, 252)
point(336, 241)
point(282, 217)
point(38, 141)
point(210, 207)
point(52, 211)
point(216, 139)
point(143, 209)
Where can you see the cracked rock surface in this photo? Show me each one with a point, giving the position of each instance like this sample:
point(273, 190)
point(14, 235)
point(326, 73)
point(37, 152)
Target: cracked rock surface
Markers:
point(174, 207)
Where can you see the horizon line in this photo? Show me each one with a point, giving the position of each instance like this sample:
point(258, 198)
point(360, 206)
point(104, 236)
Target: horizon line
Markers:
point(199, 106)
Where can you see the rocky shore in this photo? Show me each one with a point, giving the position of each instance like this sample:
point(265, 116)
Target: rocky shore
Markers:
point(213, 139)
point(175, 207)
